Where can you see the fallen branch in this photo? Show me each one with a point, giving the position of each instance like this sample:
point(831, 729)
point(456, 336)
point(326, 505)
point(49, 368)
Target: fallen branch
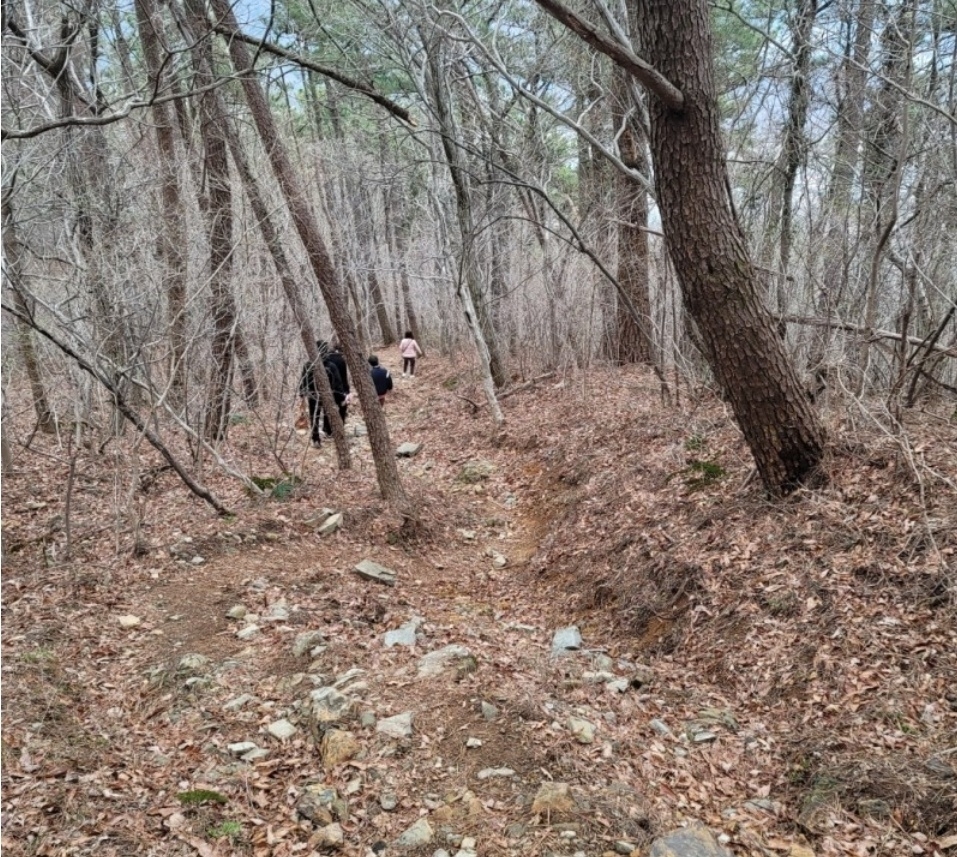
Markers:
point(835, 324)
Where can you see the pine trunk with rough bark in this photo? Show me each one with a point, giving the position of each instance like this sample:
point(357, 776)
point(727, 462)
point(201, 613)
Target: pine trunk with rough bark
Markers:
point(718, 280)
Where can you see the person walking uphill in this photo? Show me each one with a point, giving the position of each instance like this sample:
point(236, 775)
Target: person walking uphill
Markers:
point(381, 378)
point(310, 392)
point(409, 349)
point(337, 358)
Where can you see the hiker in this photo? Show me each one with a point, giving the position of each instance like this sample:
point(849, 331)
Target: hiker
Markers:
point(337, 358)
point(380, 377)
point(409, 349)
point(310, 392)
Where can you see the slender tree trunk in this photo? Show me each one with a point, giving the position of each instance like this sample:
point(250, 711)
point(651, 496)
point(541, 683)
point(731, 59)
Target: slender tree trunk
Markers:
point(718, 280)
point(382, 451)
point(14, 276)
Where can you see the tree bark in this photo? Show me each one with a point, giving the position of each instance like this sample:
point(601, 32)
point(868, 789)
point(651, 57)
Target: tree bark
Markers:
point(718, 279)
point(329, 284)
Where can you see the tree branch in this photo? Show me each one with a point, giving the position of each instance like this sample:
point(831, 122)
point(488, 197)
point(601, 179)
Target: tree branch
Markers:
point(366, 89)
point(646, 74)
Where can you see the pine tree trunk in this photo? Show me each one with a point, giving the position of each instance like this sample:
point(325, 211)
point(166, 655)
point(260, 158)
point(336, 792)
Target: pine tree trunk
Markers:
point(717, 277)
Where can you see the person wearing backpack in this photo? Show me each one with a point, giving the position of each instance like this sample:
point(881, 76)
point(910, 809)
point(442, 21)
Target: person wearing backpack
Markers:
point(409, 349)
point(310, 392)
point(380, 377)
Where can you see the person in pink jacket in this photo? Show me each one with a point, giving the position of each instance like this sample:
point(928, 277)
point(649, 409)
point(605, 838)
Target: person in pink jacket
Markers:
point(409, 349)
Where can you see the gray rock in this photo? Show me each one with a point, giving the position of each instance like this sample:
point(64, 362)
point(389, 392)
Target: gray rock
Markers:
point(660, 727)
point(328, 705)
point(399, 726)
point(305, 642)
point(489, 711)
point(688, 842)
point(129, 621)
point(277, 612)
point(388, 801)
point(566, 640)
point(408, 450)
point(241, 747)
point(348, 679)
point(473, 743)
point(601, 677)
point(476, 471)
point(328, 838)
point(373, 571)
point(603, 663)
point(583, 730)
point(436, 662)
point(619, 685)
point(255, 754)
point(248, 632)
point(239, 702)
point(416, 836)
point(319, 518)
point(404, 636)
point(237, 611)
point(367, 719)
point(193, 662)
point(624, 847)
point(499, 560)
point(281, 729)
point(516, 830)
point(468, 535)
point(329, 526)
point(488, 773)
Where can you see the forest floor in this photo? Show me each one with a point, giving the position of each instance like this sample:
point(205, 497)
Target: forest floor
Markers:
point(784, 673)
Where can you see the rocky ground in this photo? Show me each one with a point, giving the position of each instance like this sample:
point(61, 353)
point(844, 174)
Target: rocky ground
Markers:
point(599, 634)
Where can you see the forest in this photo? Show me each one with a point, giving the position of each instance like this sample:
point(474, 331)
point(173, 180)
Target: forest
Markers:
point(685, 279)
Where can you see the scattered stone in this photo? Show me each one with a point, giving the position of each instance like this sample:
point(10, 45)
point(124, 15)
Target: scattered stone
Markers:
point(373, 571)
point(499, 560)
point(328, 838)
point(760, 803)
point(566, 640)
point(435, 662)
point(255, 755)
point(660, 727)
point(193, 662)
point(239, 702)
point(197, 682)
point(333, 523)
point(583, 730)
point(416, 836)
point(338, 746)
point(601, 677)
point(237, 611)
point(624, 847)
point(198, 560)
point(404, 636)
point(516, 830)
point(248, 632)
point(281, 729)
point(129, 621)
point(699, 734)
point(603, 663)
point(489, 711)
point(277, 612)
point(399, 726)
point(408, 450)
point(488, 773)
point(388, 801)
point(554, 801)
point(319, 518)
point(354, 786)
point(619, 685)
point(875, 808)
point(688, 842)
point(344, 681)
point(473, 743)
point(321, 804)
point(719, 715)
point(468, 535)
point(328, 705)
point(367, 719)
point(467, 848)
point(305, 642)
point(476, 471)
point(241, 747)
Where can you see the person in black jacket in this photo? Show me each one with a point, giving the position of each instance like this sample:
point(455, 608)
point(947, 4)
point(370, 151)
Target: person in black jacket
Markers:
point(309, 390)
point(381, 378)
point(337, 358)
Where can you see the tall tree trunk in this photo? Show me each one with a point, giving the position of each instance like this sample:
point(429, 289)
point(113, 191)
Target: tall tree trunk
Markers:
point(14, 276)
point(329, 284)
point(718, 279)
point(172, 235)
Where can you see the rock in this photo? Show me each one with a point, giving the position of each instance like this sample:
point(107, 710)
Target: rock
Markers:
point(321, 804)
point(554, 801)
point(328, 838)
point(305, 641)
point(328, 705)
point(239, 702)
point(488, 773)
point(473, 743)
point(319, 518)
point(399, 726)
point(367, 719)
point(603, 663)
point(719, 715)
point(373, 571)
point(281, 729)
point(193, 662)
point(388, 801)
point(699, 734)
point(277, 612)
point(129, 621)
point(338, 746)
point(241, 747)
point(404, 636)
point(198, 560)
point(688, 842)
point(601, 677)
point(416, 836)
point(408, 450)
point(566, 640)
point(248, 632)
point(237, 611)
point(875, 808)
point(516, 830)
point(255, 754)
point(347, 678)
point(476, 471)
point(583, 730)
point(660, 727)
point(623, 847)
point(468, 535)
point(499, 560)
point(330, 525)
point(619, 685)
point(489, 711)
point(435, 662)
